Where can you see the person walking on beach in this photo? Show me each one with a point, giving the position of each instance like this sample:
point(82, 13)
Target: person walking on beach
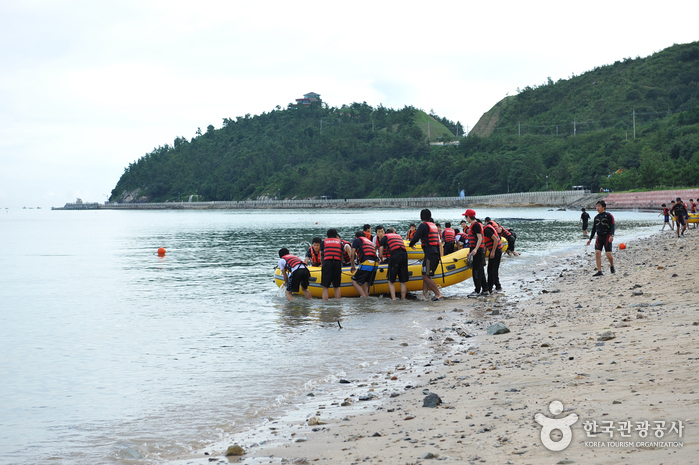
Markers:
point(666, 214)
point(680, 212)
point(295, 274)
point(585, 217)
point(603, 226)
point(493, 250)
point(477, 254)
point(428, 234)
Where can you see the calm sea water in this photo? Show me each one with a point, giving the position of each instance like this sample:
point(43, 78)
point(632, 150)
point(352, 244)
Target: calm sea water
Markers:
point(111, 354)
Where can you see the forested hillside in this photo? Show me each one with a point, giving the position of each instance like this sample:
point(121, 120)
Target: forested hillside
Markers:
point(630, 125)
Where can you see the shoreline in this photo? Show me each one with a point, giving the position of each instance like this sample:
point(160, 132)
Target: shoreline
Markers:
point(492, 386)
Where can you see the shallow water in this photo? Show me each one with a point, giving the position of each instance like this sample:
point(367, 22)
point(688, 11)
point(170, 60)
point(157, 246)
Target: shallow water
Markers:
point(111, 354)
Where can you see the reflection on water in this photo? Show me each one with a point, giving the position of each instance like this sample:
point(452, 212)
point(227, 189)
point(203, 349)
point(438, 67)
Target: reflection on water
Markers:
point(111, 353)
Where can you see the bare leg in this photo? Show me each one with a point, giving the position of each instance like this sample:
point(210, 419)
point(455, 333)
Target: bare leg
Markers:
point(598, 257)
point(289, 296)
point(325, 293)
point(360, 289)
point(307, 294)
point(338, 293)
point(392, 289)
point(403, 291)
point(429, 282)
point(610, 258)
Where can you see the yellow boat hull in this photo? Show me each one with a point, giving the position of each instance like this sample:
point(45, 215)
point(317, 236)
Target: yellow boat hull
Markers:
point(693, 218)
point(451, 270)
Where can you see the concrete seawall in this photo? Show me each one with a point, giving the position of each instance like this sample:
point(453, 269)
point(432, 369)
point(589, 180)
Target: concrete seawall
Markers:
point(558, 199)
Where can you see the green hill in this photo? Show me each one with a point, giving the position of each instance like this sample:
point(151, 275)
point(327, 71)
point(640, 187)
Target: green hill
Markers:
point(630, 125)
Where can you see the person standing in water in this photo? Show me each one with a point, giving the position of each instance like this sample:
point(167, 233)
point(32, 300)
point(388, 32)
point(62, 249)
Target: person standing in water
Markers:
point(428, 233)
point(585, 217)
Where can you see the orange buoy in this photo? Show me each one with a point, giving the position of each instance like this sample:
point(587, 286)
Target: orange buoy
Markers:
point(622, 246)
point(161, 251)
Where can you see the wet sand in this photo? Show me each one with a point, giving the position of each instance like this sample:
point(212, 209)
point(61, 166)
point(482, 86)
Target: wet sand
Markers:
point(491, 386)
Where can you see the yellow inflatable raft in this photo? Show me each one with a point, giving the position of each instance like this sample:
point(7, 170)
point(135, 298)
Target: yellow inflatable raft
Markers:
point(451, 270)
point(693, 218)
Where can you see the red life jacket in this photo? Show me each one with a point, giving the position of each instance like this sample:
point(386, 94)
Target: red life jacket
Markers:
point(488, 241)
point(368, 251)
point(345, 255)
point(473, 238)
point(377, 244)
point(367, 234)
point(332, 249)
point(449, 235)
point(395, 242)
point(291, 261)
point(433, 236)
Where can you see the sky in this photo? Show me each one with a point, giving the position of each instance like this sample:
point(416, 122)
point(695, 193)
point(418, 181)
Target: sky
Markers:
point(88, 87)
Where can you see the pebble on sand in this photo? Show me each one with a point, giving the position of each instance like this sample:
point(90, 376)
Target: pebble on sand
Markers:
point(234, 450)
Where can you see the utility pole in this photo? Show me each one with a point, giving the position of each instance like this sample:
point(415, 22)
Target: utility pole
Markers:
point(519, 129)
point(321, 125)
point(634, 124)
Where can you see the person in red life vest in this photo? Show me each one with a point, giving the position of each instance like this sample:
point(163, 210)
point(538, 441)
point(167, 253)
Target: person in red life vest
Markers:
point(428, 234)
point(693, 207)
point(493, 249)
point(369, 262)
point(295, 273)
point(411, 232)
point(346, 251)
point(448, 238)
point(331, 274)
point(313, 253)
point(477, 254)
point(603, 226)
point(367, 231)
point(666, 214)
point(380, 233)
point(397, 262)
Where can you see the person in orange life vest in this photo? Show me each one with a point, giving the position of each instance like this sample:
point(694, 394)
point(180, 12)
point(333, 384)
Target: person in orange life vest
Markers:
point(449, 238)
point(397, 262)
point(364, 277)
point(313, 253)
point(493, 249)
point(477, 253)
point(367, 231)
point(295, 274)
point(411, 232)
point(331, 274)
point(380, 233)
point(432, 247)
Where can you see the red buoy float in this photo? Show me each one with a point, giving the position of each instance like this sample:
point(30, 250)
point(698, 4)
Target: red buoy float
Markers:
point(161, 251)
point(622, 246)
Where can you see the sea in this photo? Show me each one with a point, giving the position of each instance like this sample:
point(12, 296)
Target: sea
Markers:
point(112, 354)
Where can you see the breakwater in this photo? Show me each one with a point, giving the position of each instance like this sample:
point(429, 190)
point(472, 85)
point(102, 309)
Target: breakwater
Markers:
point(559, 199)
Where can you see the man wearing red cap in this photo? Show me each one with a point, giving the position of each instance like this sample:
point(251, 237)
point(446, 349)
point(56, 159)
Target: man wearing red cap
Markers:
point(477, 252)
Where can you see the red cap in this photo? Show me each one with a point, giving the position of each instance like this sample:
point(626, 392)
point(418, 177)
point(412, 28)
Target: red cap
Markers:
point(469, 212)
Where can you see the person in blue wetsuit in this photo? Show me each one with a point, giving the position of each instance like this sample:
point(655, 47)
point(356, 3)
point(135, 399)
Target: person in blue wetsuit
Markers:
point(603, 226)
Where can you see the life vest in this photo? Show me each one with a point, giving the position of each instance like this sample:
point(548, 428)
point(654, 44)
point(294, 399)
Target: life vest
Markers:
point(666, 211)
point(367, 234)
point(377, 244)
point(449, 235)
point(292, 261)
point(505, 233)
point(332, 249)
point(473, 238)
point(367, 251)
point(694, 207)
point(345, 255)
point(432, 237)
point(315, 257)
point(410, 235)
point(395, 242)
point(488, 241)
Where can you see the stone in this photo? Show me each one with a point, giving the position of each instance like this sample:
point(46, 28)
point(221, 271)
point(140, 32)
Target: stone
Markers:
point(606, 336)
point(497, 328)
point(344, 381)
point(234, 450)
point(429, 455)
point(431, 401)
point(495, 312)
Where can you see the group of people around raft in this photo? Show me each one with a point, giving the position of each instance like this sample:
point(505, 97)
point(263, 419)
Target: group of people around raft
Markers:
point(678, 213)
point(365, 253)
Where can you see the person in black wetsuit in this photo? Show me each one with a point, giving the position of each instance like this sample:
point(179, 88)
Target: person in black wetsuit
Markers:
point(585, 217)
point(604, 228)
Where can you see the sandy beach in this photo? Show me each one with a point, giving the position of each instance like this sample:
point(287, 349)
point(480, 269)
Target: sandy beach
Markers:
point(617, 351)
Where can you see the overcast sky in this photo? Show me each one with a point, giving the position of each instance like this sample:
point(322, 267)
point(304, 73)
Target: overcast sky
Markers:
point(86, 87)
